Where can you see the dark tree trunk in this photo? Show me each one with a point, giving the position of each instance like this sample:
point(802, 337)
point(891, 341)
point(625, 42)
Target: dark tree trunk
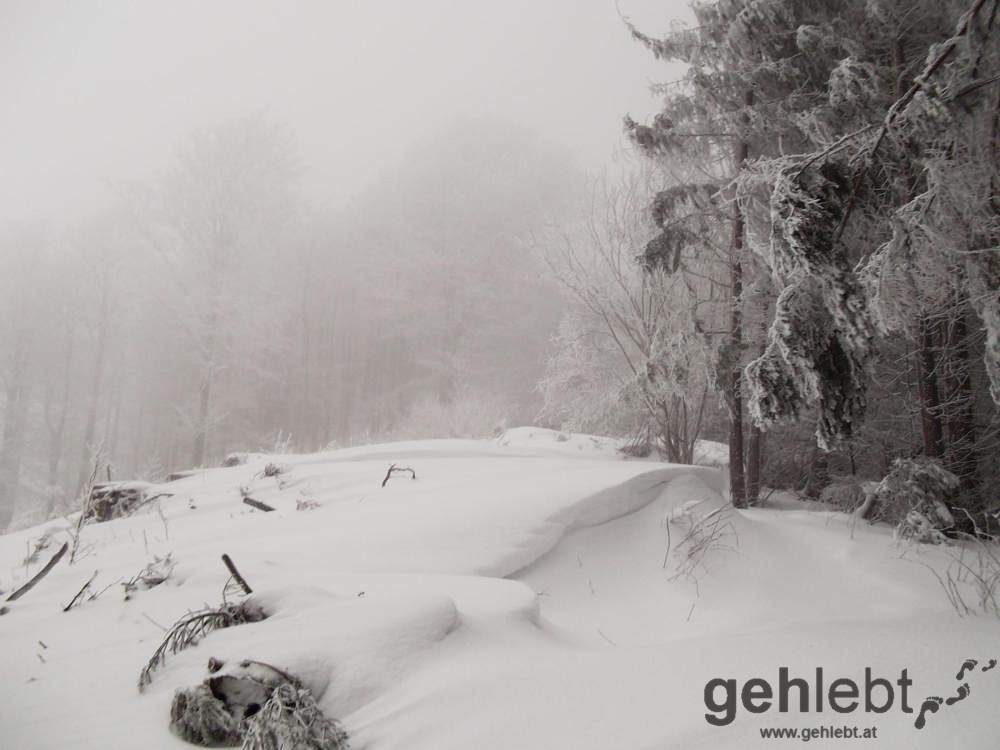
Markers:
point(734, 397)
point(960, 453)
point(755, 444)
point(927, 389)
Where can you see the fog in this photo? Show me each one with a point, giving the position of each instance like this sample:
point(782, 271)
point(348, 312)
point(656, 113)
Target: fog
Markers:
point(97, 93)
point(238, 226)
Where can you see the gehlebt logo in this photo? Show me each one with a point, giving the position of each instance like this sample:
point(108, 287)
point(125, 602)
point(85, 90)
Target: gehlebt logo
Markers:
point(875, 695)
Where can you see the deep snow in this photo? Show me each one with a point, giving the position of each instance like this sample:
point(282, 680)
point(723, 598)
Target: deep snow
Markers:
point(518, 594)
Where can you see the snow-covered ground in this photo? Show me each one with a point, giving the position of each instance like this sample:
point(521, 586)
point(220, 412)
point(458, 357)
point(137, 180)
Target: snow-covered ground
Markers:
point(536, 591)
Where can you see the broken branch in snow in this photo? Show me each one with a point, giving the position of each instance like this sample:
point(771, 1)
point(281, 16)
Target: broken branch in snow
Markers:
point(257, 504)
point(80, 593)
point(40, 574)
point(236, 574)
point(393, 469)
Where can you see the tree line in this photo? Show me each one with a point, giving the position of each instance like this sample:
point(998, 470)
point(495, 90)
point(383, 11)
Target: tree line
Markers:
point(816, 235)
point(215, 308)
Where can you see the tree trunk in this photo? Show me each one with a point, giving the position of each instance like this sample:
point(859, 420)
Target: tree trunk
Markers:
point(90, 426)
point(57, 427)
point(754, 449)
point(199, 453)
point(927, 388)
point(15, 413)
point(960, 453)
point(138, 435)
point(116, 395)
point(199, 450)
point(305, 401)
point(737, 481)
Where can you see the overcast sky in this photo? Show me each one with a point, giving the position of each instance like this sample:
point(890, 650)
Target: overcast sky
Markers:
point(100, 92)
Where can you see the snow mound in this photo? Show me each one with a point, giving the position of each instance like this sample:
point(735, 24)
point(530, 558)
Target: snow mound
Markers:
point(344, 648)
point(528, 595)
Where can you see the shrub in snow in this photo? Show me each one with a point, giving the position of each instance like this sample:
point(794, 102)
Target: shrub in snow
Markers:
point(920, 528)
point(913, 495)
point(199, 717)
point(109, 500)
point(272, 470)
point(153, 574)
point(470, 413)
point(255, 704)
point(704, 530)
point(799, 466)
point(972, 579)
point(291, 720)
point(194, 626)
point(850, 494)
point(638, 446)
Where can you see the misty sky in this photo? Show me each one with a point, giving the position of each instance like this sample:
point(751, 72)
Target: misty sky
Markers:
point(97, 93)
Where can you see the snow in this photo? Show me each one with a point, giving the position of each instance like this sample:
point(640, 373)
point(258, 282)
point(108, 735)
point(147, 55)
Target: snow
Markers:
point(517, 594)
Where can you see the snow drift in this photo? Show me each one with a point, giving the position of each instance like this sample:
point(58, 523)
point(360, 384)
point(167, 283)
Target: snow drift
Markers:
point(530, 592)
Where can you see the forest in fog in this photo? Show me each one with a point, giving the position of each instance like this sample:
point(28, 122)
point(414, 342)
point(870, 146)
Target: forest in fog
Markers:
point(796, 254)
point(211, 311)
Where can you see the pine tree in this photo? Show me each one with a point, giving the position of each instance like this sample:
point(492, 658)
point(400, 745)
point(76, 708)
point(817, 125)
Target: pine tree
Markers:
point(746, 83)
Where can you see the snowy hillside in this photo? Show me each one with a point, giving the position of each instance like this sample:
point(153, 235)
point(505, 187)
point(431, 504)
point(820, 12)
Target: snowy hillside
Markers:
point(533, 592)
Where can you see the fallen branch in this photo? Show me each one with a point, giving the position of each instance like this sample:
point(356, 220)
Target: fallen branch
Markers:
point(393, 469)
point(236, 574)
point(80, 593)
point(257, 504)
point(40, 574)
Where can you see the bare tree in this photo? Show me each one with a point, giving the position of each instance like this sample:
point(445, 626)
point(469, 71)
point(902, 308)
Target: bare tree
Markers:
point(644, 326)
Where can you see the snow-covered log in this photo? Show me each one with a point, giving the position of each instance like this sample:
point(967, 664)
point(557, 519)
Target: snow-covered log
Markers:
point(110, 500)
